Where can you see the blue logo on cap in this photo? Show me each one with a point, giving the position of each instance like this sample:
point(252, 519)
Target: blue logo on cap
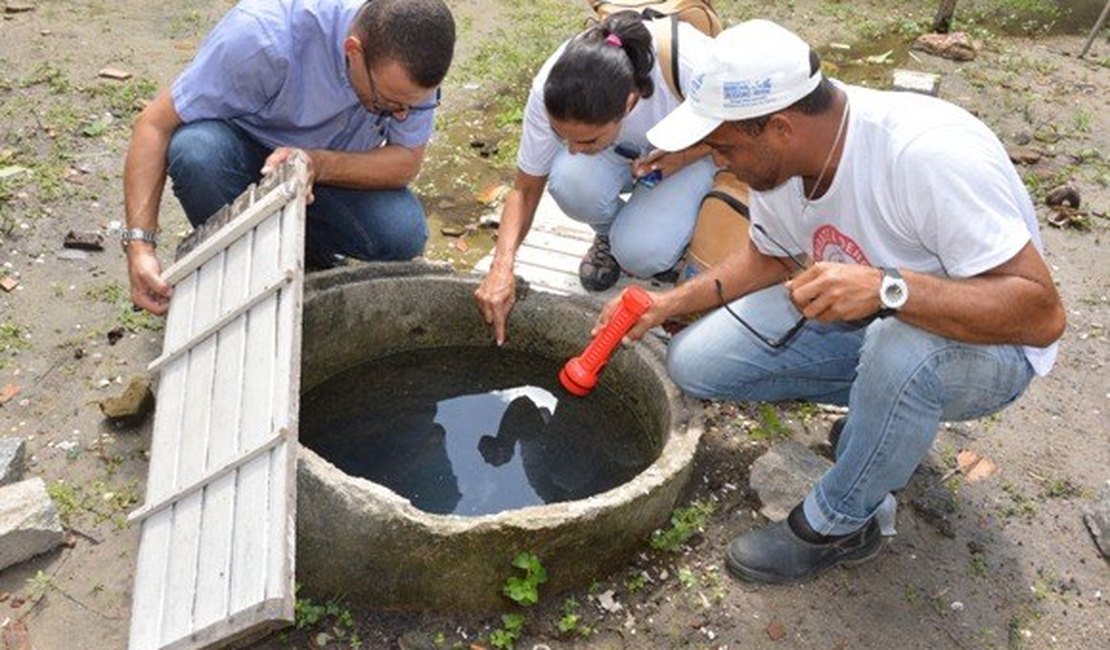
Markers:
point(745, 93)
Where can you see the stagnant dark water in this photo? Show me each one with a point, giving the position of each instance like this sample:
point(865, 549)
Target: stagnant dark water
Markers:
point(474, 431)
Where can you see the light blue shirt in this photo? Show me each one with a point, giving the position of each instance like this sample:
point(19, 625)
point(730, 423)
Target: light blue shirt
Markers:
point(277, 69)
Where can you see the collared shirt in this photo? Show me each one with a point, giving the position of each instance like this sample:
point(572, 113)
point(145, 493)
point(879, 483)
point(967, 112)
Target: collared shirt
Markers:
point(277, 69)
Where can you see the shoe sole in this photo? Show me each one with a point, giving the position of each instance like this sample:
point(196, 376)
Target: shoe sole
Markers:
point(746, 574)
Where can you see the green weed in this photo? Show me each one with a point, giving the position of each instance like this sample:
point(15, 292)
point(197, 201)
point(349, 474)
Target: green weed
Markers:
point(635, 582)
point(770, 425)
point(571, 620)
point(49, 75)
point(684, 523)
point(333, 619)
point(525, 590)
point(977, 566)
point(39, 584)
point(511, 627)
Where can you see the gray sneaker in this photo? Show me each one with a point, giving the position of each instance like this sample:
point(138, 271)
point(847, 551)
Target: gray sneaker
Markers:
point(776, 555)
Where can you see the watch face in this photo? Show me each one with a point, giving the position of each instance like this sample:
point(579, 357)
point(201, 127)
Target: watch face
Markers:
point(894, 293)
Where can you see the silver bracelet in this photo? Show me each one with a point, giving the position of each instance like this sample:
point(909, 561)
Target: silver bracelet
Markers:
point(138, 234)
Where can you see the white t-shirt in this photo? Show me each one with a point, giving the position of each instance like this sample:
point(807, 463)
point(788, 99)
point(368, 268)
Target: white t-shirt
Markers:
point(922, 185)
point(538, 142)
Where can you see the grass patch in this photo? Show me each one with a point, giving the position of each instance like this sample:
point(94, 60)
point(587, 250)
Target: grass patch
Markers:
point(115, 294)
point(770, 425)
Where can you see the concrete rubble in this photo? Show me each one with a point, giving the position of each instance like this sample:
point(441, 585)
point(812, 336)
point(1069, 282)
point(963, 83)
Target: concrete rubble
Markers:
point(782, 477)
point(29, 522)
point(12, 459)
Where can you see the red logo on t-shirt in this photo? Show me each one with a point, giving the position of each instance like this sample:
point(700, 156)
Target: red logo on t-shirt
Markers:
point(831, 245)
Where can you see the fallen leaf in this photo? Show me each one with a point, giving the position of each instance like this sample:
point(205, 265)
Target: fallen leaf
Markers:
point(493, 192)
point(974, 466)
point(966, 459)
point(8, 392)
point(8, 171)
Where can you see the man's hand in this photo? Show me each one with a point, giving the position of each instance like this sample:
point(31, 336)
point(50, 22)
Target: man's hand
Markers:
point(283, 154)
point(496, 296)
point(655, 315)
point(148, 289)
point(829, 291)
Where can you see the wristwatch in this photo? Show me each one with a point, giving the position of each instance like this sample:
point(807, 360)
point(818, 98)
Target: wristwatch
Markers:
point(893, 292)
point(137, 234)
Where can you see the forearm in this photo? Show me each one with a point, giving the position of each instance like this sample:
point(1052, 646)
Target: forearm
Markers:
point(516, 218)
point(388, 167)
point(988, 309)
point(144, 176)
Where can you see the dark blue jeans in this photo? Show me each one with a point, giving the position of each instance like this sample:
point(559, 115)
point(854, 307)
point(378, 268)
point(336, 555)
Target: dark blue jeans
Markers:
point(213, 161)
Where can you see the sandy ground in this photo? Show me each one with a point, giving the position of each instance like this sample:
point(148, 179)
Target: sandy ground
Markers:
point(1019, 569)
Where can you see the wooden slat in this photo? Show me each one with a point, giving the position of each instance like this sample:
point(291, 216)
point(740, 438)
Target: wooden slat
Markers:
point(216, 540)
point(238, 310)
point(251, 529)
point(229, 466)
point(238, 227)
point(177, 617)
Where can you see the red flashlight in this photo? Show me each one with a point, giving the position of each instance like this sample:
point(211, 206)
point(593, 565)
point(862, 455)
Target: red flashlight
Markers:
point(579, 376)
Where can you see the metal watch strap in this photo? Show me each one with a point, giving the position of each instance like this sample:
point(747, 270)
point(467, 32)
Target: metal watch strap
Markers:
point(138, 234)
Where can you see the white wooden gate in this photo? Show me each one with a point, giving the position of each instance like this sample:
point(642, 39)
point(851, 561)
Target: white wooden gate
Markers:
point(216, 551)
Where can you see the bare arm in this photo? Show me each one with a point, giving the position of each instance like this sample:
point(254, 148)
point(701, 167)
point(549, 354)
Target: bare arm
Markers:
point(742, 272)
point(1013, 303)
point(144, 178)
point(388, 167)
point(497, 293)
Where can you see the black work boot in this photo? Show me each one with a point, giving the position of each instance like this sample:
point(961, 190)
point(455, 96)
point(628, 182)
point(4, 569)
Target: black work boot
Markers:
point(777, 554)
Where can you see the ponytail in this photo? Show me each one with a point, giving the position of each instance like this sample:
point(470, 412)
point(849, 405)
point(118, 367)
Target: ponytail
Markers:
point(591, 81)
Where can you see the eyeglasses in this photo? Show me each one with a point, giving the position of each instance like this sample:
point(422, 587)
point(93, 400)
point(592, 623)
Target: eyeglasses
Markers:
point(790, 333)
point(396, 110)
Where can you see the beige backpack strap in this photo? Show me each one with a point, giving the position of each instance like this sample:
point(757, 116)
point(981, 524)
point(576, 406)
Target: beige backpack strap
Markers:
point(664, 33)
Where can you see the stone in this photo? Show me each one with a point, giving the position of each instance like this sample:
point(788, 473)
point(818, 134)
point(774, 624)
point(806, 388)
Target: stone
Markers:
point(1023, 155)
point(133, 405)
point(86, 241)
point(8, 283)
point(925, 83)
point(1096, 515)
point(12, 459)
point(957, 46)
point(1064, 195)
point(783, 476)
point(114, 73)
point(29, 522)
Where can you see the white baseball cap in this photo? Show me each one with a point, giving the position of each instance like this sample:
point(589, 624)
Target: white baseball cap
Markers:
point(753, 69)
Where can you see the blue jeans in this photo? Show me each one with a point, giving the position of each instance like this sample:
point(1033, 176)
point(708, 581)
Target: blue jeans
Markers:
point(898, 382)
point(213, 161)
point(649, 232)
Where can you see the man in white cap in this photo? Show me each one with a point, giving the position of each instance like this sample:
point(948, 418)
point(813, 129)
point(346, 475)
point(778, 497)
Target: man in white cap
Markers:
point(894, 267)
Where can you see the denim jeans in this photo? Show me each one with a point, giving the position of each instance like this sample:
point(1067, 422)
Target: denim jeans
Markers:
point(649, 232)
point(213, 161)
point(898, 382)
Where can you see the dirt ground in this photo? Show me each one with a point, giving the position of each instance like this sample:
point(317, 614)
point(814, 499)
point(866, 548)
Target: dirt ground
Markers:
point(1012, 565)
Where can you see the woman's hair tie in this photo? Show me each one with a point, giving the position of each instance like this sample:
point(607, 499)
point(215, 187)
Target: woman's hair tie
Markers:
point(614, 40)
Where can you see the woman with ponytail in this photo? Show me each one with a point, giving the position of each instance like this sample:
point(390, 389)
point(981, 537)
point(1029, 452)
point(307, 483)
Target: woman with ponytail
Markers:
point(584, 137)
